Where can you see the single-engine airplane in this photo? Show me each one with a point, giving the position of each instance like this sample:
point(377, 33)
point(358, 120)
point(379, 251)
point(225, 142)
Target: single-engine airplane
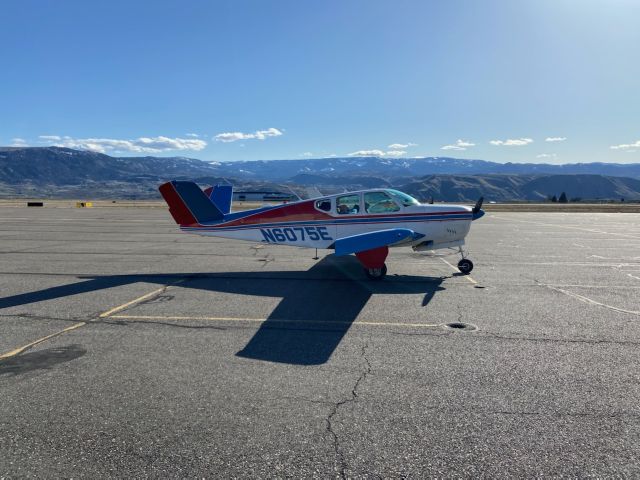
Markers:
point(365, 223)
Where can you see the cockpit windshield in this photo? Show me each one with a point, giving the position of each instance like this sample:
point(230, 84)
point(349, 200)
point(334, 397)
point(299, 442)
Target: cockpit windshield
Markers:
point(406, 200)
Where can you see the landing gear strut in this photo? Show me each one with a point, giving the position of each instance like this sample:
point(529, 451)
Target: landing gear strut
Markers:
point(376, 273)
point(373, 262)
point(464, 265)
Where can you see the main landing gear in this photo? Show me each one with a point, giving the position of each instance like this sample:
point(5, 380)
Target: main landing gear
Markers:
point(373, 262)
point(376, 273)
point(465, 265)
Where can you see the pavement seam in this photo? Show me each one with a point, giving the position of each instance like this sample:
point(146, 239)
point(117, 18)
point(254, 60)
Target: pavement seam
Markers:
point(334, 411)
point(92, 319)
point(485, 334)
point(19, 350)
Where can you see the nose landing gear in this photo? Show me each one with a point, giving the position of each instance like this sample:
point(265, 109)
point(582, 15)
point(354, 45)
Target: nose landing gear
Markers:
point(464, 265)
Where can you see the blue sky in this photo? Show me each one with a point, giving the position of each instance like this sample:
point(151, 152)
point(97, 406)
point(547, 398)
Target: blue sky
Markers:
point(233, 80)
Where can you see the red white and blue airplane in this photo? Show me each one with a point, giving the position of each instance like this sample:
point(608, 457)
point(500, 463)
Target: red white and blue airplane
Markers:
point(365, 223)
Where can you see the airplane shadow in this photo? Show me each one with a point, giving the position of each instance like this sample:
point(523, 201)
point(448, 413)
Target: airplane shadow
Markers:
point(317, 309)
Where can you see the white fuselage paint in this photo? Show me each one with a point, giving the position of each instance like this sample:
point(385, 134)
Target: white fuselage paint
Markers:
point(435, 225)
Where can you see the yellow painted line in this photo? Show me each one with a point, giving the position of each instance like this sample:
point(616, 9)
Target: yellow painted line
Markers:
point(263, 320)
point(80, 324)
point(108, 313)
point(19, 350)
point(455, 269)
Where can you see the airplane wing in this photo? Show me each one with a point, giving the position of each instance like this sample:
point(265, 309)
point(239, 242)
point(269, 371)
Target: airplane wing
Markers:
point(371, 240)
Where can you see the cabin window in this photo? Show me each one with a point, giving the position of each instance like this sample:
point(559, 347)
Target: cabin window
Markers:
point(403, 198)
point(348, 204)
point(324, 204)
point(379, 202)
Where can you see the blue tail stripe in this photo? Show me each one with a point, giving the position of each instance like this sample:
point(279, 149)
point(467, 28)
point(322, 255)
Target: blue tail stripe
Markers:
point(221, 197)
point(197, 202)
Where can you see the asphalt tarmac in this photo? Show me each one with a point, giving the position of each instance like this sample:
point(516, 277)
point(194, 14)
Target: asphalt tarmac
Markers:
point(162, 354)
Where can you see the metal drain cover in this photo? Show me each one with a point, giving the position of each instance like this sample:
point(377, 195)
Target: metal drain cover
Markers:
point(460, 326)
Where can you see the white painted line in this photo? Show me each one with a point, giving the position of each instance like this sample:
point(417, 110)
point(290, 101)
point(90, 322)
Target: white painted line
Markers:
point(590, 301)
point(590, 230)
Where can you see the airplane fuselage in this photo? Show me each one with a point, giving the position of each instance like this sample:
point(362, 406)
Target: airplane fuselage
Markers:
point(304, 224)
point(365, 223)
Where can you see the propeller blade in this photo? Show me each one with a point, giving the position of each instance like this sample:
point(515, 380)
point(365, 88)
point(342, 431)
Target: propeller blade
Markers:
point(478, 206)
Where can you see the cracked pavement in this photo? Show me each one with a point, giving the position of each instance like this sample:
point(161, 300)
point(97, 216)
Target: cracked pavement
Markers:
point(342, 464)
point(227, 359)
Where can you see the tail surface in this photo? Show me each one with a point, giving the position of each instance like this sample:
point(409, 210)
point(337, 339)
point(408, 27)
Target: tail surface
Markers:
point(221, 196)
point(188, 204)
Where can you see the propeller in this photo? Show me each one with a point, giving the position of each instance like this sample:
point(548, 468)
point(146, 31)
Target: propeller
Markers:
point(477, 209)
point(478, 206)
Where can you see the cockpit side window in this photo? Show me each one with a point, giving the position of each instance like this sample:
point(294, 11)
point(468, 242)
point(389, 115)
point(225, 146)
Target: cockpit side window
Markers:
point(323, 204)
point(379, 202)
point(348, 204)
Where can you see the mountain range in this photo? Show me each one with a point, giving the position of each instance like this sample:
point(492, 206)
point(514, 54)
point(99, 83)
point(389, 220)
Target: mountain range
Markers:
point(63, 172)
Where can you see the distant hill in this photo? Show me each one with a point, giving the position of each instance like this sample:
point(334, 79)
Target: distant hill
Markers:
point(522, 187)
point(63, 172)
point(362, 181)
point(64, 166)
point(411, 167)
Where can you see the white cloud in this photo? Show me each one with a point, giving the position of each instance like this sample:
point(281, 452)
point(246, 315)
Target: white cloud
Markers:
point(367, 153)
point(49, 138)
point(306, 154)
point(459, 145)
point(623, 146)
point(395, 153)
point(139, 145)
point(547, 155)
point(229, 137)
point(512, 142)
point(400, 146)
point(19, 142)
point(192, 135)
point(555, 139)
point(377, 153)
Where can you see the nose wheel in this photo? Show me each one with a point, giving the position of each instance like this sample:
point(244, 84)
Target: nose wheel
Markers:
point(376, 273)
point(465, 266)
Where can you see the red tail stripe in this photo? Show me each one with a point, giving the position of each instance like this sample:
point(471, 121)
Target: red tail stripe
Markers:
point(177, 208)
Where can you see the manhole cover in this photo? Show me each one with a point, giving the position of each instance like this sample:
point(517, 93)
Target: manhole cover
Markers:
point(460, 326)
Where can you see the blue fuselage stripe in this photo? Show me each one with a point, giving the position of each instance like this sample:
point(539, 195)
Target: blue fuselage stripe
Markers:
point(333, 221)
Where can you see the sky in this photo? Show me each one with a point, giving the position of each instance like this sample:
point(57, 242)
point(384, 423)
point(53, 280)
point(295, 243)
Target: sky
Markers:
point(553, 81)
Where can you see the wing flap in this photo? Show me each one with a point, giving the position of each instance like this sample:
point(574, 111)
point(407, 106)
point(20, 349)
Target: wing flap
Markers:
point(371, 240)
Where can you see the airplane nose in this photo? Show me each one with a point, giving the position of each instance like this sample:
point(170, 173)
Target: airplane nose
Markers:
point(477, 209)
point(478, 214)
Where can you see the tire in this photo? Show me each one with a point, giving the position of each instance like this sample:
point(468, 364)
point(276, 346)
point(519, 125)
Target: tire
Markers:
point(376, 273)
point(465, 266)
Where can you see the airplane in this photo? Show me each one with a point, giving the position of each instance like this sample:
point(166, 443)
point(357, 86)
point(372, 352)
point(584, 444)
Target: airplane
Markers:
point(365, 222)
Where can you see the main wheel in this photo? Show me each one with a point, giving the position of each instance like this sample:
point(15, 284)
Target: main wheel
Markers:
point(376, 273)
point(465, 266)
